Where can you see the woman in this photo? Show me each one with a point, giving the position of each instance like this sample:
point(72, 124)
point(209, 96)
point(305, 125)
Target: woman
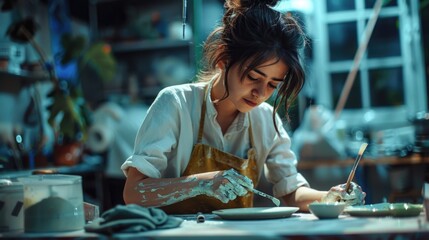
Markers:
point(204, 145)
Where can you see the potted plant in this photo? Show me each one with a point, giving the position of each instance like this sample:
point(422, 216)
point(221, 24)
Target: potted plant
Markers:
point(69, 104)
point(68, 114)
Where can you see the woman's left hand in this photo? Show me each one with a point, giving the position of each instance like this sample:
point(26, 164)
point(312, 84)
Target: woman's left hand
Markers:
point(338, 194)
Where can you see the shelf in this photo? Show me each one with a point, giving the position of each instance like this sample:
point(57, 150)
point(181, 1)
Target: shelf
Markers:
point(149, 45)
point(145, 93)
point(306, 164)
point(137, 53)
point(24, 76)
point(14, 82)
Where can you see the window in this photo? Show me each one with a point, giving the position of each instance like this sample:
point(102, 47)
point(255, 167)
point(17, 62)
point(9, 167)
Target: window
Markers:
point(390, 86)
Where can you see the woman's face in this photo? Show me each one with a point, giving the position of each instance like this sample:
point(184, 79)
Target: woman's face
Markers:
point(257, 86)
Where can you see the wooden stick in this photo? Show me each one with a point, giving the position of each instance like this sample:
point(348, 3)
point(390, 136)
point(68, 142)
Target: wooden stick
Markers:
point(358, 57)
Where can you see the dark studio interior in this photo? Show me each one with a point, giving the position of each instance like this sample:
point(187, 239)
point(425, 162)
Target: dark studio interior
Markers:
point(76, 85)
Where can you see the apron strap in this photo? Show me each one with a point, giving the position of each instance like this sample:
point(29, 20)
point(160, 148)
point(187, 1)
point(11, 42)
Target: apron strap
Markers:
point(203, 115)
point(250, 132)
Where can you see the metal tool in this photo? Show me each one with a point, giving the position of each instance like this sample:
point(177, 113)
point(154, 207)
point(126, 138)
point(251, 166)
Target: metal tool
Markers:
point(355, 164)
point(276, 201)
point(184, 7)
point(200, 217)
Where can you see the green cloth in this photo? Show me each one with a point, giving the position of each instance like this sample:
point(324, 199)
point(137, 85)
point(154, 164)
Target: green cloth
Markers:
point(132, 218)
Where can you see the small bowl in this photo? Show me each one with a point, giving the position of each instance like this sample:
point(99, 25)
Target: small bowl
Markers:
point(327, 210)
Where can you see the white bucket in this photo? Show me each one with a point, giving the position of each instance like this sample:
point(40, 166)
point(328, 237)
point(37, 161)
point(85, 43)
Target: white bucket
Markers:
point(11, 206)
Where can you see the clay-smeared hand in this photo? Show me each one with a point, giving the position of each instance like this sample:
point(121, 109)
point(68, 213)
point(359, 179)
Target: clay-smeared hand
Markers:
point(227, 185)
point(338, 194)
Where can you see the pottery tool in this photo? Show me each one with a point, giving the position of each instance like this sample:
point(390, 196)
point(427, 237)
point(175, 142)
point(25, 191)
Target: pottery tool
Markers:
point(276, 201)
point(200, 217)
point(355, 164)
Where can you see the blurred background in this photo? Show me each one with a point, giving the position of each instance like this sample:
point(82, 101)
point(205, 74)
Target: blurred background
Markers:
point(77, 76)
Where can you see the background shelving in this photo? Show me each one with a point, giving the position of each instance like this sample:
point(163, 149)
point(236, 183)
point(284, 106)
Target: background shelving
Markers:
point(146, 39)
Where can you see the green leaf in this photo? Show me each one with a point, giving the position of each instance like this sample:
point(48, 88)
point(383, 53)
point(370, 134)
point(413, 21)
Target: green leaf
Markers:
point(99, 58)
point(73, 47)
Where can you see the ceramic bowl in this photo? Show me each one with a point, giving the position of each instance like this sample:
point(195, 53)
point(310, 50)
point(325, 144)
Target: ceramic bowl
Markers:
point(327, 210)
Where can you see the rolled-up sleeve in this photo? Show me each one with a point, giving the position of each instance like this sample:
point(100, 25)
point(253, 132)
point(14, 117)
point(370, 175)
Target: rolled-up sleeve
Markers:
point(282, 171)
point(141, 164)
point(280, 161)
point(289, 184)
point(156, 137)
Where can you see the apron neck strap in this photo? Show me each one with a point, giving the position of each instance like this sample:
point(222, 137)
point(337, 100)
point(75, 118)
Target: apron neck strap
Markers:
point(203, 115)
point(250, 132)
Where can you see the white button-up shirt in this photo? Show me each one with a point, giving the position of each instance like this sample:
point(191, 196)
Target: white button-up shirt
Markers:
point(169, 131)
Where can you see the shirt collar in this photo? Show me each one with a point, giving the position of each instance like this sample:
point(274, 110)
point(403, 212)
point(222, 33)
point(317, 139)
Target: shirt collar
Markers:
point(242, 119)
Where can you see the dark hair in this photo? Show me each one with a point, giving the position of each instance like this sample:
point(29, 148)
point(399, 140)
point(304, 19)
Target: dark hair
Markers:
point(250, 34)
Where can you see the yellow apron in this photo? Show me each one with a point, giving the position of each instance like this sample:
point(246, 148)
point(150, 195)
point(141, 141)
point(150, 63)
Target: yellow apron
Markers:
point(207, 159)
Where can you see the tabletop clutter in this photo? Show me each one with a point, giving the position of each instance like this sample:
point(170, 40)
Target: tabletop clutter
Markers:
point(53, 203)
point(42, 203)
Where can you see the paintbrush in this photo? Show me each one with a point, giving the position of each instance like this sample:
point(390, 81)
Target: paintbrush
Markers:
point(355, 164)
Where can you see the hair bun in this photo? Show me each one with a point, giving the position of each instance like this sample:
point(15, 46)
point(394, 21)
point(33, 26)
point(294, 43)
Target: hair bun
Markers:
point(253, 3)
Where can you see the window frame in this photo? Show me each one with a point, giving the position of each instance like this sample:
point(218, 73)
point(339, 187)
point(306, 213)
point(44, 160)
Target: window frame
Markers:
point(411, 60)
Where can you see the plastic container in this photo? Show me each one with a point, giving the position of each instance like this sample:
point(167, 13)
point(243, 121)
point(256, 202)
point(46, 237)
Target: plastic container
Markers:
point(11, 210)
point(53, 203)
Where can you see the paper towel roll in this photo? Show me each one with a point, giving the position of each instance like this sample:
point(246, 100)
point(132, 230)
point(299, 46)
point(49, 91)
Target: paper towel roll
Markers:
point(100, 136)
point(102, 131)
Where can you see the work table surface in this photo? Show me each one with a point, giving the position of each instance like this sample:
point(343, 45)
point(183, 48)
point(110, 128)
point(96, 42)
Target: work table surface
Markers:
point(298, 226)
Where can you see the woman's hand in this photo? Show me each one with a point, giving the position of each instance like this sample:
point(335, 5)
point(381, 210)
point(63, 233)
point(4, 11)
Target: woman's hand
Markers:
point(227, 185)
point(338, 194)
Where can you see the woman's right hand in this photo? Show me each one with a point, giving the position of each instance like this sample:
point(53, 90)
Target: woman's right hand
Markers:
point(227, 185)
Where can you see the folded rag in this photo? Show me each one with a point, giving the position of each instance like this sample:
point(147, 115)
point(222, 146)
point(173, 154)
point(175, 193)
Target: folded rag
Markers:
point(132, 218)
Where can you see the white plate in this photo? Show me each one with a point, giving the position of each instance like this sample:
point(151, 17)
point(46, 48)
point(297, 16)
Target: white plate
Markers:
point(385, 209)
point(370, 210)
point(255, 213)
